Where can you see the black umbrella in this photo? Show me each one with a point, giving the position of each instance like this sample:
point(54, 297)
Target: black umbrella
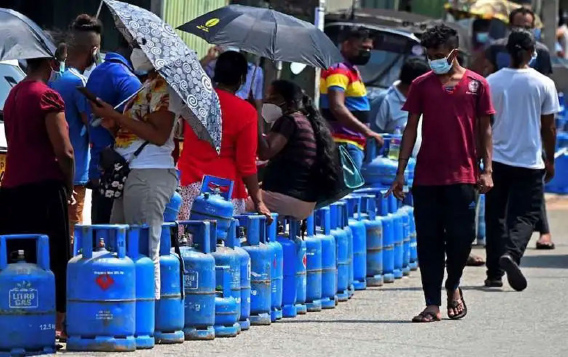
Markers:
point(21, 38)
point(266, 33)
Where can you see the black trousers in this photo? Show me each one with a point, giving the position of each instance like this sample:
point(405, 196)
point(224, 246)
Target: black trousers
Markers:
point(101, 208)
point(39, 209)
point(445, 228)
point(542, 225)
point(513, 208)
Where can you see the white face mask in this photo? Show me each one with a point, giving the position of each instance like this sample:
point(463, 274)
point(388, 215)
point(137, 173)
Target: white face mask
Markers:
point(271, 112)
point(140, 61)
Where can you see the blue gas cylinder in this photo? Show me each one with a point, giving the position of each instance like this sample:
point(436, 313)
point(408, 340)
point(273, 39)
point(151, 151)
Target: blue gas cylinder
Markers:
point(301, 261)
point(214, 203)
point(329, 259)
point(388, 248)
point(375, 243)
point(137, 242)
point(413, 248)
point(347, 229)
point(261, 269)
point(170, 306)
point(398, 245)
point(199, 282)
point(393, 203)
point(405, 241)
point(235, 242)
point(277, 271)
point(226, 257)
point(359, 232)
point(481, 220)
point(101, 292)
point(27, 317)
point(172, 208)
point(227, 309)
point(341, 242)
point(313, 267)
point(289, 267)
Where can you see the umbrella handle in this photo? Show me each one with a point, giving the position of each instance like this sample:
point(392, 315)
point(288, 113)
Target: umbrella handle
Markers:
point(99, 9)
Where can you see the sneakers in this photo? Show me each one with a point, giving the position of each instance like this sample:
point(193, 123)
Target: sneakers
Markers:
point(493, 283)
point(514, 274)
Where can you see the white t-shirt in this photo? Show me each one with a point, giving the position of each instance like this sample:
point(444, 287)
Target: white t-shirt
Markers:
point(153, 97)
point(520, 97)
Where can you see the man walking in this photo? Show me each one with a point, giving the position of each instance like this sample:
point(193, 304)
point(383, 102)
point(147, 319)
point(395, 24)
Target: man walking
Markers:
point(526, 102)
point(497, 57)
point(343, 96)
point(455, 105)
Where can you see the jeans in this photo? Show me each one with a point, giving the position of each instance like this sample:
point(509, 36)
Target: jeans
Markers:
point(356, 154)
point(146, 194)
point(445, 228)
point(513, 208)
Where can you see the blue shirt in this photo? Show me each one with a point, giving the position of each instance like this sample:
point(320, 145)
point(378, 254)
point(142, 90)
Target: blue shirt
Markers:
point(75, 104)
point(390, 114)
point(243, 92)
point(113, 81)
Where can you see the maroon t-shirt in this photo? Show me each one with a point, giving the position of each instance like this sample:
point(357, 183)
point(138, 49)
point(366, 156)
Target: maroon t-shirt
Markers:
point(448, 151)
point(30, 158)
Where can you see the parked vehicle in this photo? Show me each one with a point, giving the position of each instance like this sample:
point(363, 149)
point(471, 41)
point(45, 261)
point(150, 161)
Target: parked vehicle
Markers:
point(10, 75)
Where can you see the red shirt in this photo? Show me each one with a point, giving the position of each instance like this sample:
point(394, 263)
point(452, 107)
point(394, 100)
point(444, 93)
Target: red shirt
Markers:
point(30, 158)
point(238, 147)
point(448, 152)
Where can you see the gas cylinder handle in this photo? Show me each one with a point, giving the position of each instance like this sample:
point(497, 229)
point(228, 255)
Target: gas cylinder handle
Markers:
point(221, 186)
point(133, 242)
point(121, 241)
point(310, 222)
point(223, 273)
point(294, 228)
point(42, 249)
point(252, 226)
point(325, 219)
point(334, 215)
point(201, 231)
point(232, 236)
point(263, 235)
point(371, 208)
point(272, 229)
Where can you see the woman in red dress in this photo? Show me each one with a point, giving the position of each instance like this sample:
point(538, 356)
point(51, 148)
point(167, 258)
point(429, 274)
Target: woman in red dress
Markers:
point(237, 160)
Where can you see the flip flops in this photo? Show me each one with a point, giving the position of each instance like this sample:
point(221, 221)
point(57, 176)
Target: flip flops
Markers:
point(426, 317)
point(454, 304)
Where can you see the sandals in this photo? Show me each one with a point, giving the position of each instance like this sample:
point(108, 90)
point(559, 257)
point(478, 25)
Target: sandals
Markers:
point(545, 246)
point(454, 304)
point(475, 261)
point(426, 317)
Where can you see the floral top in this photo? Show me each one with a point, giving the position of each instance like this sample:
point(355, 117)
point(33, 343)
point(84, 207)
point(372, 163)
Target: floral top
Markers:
point(153, 97)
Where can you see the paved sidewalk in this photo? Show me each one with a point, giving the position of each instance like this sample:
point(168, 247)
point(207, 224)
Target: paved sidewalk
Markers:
point(376, 322)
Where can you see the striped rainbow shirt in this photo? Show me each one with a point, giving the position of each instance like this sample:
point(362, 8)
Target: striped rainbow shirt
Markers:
point(346, 78)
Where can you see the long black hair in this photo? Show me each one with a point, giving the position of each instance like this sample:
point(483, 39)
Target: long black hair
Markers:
point(297, 100)
point(519, 43)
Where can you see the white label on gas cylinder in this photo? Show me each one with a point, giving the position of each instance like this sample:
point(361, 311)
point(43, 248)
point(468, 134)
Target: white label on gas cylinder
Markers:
point(104, 315)
point(253, 292)
point(191, 279)
point(248, 270)
point(45, 327)
point(23, 296)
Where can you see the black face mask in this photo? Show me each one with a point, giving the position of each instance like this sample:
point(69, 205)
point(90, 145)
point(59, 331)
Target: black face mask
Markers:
point(362, 58)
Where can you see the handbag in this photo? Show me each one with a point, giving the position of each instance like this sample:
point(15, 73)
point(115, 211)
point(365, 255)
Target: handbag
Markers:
point(349, 179)
point(115, 170)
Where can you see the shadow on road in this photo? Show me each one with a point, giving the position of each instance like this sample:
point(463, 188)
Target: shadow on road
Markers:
point(478, 288)
point(345, 321)
point(545, 261)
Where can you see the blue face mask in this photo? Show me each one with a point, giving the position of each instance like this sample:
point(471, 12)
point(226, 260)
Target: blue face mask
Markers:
point(533, 59)
point(441, 66)
point(482, 37)
point(537, 33)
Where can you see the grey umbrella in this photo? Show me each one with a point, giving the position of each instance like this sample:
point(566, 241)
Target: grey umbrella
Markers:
point(267, 33)
point(176, 63)
point(21, 38)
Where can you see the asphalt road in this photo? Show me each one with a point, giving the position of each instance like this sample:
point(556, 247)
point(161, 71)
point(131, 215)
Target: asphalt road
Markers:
point(376, 321)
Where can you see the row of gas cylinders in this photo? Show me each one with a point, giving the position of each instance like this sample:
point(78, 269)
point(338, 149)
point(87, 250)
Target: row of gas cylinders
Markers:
point(216, 288)
point(239, 271)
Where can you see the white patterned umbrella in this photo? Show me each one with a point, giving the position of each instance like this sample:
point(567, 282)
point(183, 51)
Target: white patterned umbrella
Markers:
point(178, 65)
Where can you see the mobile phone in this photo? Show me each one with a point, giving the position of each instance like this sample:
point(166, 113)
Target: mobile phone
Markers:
point(89, 95)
